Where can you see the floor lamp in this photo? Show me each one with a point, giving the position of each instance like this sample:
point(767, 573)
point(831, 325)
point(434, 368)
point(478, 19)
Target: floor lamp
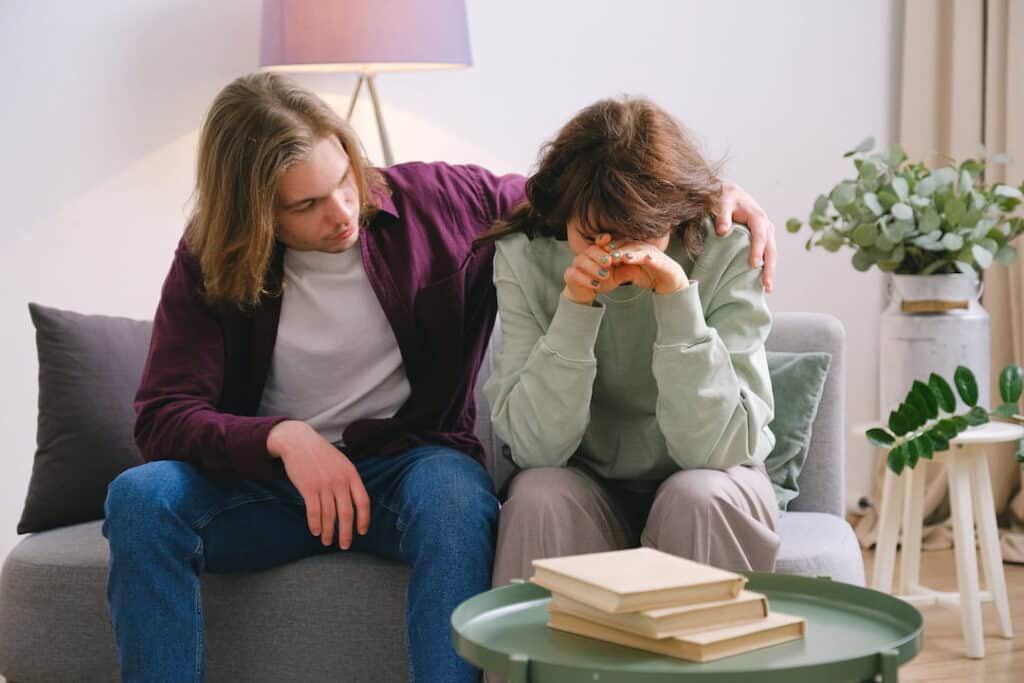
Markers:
point(364, 36)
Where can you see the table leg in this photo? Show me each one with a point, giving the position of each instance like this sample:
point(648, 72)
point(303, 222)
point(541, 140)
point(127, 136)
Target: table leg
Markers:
point(913, 511)
point(958, 467)
point(518, 668)
point(888, 531)
point(888, 667)
point(985, 518)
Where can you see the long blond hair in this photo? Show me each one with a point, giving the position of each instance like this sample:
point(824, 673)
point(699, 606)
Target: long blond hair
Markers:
point(257, 127)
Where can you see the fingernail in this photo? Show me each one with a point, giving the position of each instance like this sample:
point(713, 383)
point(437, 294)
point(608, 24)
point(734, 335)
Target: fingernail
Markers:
point(611, 245)
point(595, 283)
point(602, 272)
point(604, 259)
point(616, 254)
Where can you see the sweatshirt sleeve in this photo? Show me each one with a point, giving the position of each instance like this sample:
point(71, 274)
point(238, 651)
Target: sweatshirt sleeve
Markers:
point(714, 394)
point(542, 382)
point(176, 403)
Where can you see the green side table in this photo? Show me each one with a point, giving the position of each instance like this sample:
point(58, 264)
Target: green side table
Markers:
point(853, 634)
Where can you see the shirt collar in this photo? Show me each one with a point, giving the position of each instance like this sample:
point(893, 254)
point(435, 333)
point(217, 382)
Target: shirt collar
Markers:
point(384, 202)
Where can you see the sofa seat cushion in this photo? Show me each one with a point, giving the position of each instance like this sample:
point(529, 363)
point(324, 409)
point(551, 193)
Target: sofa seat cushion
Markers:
point(308, 616)
point(819, 544)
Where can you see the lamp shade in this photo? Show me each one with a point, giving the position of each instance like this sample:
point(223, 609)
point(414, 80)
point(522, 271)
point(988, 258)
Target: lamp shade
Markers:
point(364, 35)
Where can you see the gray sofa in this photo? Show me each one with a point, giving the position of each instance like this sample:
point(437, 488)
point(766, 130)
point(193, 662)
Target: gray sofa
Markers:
point(341, 616)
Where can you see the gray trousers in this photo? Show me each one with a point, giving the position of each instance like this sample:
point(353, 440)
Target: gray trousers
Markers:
point(723, 518)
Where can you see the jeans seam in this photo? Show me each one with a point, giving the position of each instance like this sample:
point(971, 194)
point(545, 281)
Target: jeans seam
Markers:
point(210, 514)
point(200, 655)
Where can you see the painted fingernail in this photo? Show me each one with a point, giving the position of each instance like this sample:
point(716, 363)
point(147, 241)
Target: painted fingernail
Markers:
point(604, 259)
point(616, 254)
point(611, 245)
point(602, 272)
point(595, 283)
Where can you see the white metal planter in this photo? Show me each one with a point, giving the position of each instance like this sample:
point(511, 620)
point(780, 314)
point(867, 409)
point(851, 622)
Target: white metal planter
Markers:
point(932, 323)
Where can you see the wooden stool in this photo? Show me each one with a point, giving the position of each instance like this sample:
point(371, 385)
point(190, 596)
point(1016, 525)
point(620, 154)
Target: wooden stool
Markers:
point(970, 495)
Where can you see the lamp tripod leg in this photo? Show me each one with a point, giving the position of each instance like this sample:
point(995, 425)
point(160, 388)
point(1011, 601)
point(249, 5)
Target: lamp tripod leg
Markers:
point(355, 97)
point(385, 145)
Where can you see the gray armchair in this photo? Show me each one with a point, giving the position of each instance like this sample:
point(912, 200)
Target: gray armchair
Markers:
point(277, 625)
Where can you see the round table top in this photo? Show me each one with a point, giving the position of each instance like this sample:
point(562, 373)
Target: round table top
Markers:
point(990, 432)
point(851, 632)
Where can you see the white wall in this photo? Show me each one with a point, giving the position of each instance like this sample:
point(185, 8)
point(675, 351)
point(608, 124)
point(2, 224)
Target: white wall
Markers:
point(103, 101)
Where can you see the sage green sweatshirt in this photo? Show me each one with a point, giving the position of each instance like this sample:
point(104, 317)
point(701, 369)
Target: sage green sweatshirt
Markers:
point(638, 385)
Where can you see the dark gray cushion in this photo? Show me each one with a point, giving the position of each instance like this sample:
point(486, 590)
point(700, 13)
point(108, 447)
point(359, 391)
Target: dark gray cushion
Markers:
point(797, 382)
point(89, 369)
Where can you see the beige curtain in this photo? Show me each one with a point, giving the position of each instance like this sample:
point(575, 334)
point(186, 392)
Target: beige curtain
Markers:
point(963, 84)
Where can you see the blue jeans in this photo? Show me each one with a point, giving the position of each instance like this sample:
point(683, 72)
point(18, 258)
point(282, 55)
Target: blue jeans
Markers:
point(431, 507)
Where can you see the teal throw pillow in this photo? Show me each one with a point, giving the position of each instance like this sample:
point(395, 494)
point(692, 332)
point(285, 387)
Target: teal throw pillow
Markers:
point(798, 380)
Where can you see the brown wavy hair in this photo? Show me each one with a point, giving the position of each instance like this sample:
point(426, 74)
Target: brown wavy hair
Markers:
point(622, 166)
point(258, 126)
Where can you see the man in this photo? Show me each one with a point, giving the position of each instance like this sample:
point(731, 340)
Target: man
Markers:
point(309, 380)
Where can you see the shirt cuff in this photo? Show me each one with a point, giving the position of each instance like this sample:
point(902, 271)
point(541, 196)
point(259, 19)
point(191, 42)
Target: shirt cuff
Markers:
point(573, 330)
point(680, 317)
point(246, 446)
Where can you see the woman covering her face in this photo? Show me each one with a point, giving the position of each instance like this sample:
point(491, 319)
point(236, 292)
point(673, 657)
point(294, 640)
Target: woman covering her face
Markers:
point(631, 383)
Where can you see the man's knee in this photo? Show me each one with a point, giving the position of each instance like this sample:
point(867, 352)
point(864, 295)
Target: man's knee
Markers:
point(452, 488)
point(140, 496)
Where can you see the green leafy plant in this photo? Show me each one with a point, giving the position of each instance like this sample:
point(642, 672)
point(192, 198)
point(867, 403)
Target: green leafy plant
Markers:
point(924, 423)
point(910, 220)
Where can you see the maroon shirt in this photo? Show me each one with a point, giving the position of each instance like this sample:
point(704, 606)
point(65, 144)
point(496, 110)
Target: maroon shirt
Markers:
point(206, 369)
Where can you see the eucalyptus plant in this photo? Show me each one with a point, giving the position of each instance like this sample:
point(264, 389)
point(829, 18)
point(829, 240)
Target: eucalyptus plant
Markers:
point(924, 423)
point(908, 219)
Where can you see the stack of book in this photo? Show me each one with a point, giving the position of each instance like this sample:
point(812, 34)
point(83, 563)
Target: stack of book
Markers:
point(654, 601)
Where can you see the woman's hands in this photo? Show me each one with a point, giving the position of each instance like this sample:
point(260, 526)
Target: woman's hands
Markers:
point(590, 273)
point(644, 265)
point(606, 265)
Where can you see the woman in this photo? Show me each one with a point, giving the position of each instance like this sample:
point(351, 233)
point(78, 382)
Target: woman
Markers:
point(631, 383)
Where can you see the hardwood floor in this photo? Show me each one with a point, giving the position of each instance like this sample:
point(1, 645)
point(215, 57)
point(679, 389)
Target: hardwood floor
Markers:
point(942, 658)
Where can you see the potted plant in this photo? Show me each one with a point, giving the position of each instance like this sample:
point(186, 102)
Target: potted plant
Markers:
point(933, 231)
point(910, 220)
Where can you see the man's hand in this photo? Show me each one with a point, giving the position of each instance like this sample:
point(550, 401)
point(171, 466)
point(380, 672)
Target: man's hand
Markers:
point(738, 206)
point(326, 478)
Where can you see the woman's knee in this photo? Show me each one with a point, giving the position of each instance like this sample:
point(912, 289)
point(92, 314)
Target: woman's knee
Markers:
point(563, 509)
point(694, 490)
point(545, 492)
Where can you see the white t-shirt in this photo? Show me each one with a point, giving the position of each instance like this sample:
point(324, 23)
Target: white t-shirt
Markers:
point(336, 359)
